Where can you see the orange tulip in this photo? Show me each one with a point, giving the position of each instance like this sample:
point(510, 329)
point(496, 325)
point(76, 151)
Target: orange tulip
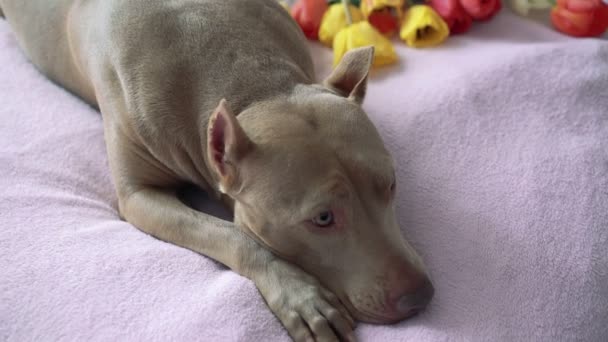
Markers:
point(580, 18)
point(384, 15)
point(308, 14)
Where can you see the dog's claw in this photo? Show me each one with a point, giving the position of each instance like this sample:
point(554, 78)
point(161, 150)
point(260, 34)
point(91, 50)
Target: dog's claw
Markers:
point(306, 309)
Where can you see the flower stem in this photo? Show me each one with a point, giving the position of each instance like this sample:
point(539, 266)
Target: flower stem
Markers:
point(349, 17)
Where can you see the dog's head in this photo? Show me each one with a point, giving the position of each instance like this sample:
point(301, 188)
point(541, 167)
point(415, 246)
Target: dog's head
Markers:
point(313, 182)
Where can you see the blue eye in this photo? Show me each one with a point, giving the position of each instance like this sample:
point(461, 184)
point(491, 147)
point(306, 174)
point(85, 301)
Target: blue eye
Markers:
point(324, 219)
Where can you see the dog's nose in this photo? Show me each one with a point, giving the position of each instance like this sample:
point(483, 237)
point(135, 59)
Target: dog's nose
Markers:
point(412, 303)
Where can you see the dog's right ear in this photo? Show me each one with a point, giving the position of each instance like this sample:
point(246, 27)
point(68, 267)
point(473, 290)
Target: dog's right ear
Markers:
point(227, 144)
point(349, 78)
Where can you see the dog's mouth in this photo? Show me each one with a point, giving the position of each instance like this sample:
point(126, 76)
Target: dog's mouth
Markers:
point(366, 316)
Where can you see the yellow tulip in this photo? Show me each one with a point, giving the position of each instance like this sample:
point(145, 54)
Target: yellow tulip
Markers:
point(334, 20)
point(423, 27)
point(368, 6)
point(364, 34)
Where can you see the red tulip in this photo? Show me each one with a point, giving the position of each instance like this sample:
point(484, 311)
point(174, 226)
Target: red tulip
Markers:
point(384, 21)
point(308, 14)
point(580, 18)
point(458, 20)
point(481, 9)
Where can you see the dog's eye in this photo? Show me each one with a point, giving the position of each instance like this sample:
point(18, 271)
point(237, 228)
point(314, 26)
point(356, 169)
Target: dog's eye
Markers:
point(393, 187)
point(324, 219)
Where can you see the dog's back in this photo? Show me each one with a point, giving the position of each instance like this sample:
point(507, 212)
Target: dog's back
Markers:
point(160, 67)
point(254, 40)
point(40, 29)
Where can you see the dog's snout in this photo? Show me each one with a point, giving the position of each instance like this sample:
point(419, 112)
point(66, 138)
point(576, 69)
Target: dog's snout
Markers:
point(411, 293)
point(412, 303)
point(410, 289)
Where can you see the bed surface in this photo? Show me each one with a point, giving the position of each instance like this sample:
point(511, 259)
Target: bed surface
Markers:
point(501, 143)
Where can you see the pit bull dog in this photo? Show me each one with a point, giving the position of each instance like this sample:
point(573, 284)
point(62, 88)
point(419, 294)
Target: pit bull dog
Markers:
point(221, 94)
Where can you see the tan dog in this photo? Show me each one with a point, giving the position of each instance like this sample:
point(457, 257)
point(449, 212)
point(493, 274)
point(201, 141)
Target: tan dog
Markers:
point(305, 171)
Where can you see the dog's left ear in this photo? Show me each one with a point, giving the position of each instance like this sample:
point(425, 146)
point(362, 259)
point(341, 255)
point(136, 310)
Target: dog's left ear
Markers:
point(227, 144)
point(349, 78)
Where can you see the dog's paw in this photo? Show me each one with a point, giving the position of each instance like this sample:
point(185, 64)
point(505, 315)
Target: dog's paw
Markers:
point(308, 311)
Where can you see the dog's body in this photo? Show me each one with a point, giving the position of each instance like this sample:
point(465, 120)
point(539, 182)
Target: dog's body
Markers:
point(158, 69)
point(111, 63)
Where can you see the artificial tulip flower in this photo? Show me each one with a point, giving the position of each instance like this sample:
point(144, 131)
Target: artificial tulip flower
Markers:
point(308, 14)
point(580, 18)
point(364, 34)
point(384, 21)
point(384, 15)
point(453, 14)
point(423, 27)
point(335, 20)
point(481, 9)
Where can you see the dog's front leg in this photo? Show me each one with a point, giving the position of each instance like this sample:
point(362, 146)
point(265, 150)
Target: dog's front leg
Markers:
point(302, 304)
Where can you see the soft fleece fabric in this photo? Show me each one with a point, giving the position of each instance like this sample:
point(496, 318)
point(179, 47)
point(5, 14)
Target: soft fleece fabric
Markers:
point(501, 143)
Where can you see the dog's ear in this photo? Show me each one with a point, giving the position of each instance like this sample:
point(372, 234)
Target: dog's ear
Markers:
point(349, 78)
point(227, 144)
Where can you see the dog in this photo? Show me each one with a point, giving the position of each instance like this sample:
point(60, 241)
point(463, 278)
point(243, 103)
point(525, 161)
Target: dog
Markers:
point(221, 94)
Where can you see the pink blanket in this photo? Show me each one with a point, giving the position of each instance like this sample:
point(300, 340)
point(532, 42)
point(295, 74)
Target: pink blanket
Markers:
point(501, 141)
